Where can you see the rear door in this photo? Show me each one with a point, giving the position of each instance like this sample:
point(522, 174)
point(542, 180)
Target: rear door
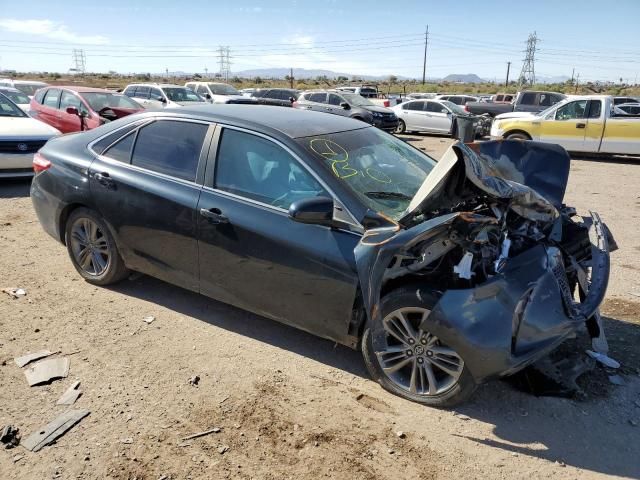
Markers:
point(414, 116)
point(254, 256)
point(48, 112)
point(317, 101)
point(567, 127)
point(147, 186)
point(595, 126)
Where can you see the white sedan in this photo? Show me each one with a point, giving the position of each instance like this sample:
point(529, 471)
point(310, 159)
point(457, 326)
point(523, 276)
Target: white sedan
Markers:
point(17, 97)
point(20, 137)
point(432, 116)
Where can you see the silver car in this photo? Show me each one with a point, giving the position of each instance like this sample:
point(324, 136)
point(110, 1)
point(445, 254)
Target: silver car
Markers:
point(20, 137)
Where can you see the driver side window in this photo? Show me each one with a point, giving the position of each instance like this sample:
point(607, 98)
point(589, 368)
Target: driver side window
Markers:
point(572, 110)
point(256, 168)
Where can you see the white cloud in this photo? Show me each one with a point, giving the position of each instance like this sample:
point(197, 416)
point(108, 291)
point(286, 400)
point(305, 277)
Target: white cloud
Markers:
point(49, 29)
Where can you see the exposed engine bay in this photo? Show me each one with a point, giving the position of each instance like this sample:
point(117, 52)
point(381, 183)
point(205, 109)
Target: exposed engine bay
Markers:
point(515, 270)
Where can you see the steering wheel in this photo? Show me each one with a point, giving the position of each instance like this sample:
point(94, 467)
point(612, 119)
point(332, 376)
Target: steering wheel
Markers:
point(104, 112)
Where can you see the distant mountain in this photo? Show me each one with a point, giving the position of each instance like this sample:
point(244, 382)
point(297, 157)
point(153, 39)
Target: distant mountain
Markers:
point(303, 73)
point(463, 78)
point(556, 79)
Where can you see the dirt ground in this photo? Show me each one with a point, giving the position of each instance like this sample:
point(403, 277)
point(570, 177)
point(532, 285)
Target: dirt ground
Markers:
point(289, 405)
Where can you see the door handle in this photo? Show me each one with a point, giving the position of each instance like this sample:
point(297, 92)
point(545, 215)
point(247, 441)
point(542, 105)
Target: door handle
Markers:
point(214, 215)
point(581, 125)
point(105, 180)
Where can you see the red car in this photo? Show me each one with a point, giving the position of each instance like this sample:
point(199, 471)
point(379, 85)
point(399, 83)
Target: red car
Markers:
point(71, 109)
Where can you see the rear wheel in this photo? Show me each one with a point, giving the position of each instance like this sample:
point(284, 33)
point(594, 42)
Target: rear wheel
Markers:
point(92, 248)
point(401, 128)
point(407, 359)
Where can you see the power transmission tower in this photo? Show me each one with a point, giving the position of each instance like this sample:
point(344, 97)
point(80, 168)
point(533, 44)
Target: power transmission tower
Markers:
point(528, 72)
point(424, 63)
point(79, 61)
point(225, 63)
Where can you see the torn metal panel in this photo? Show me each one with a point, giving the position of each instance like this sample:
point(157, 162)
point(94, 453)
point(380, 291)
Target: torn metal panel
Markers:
point(30, 357)
point(70, 396)
point(47, 370)
point(53, 430)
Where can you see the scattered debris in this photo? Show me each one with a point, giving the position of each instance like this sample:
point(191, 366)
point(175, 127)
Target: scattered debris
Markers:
point(201, 434)
point(222, 449)
point(635, 294)
point(603, 359)
point(617, 380)
point(17, 458)
point(127, 441)
point(30, 357)
point(15, 292)
point(560, 463)
point(462, 416)
point(71, 395)
point(9, 436)
point(401, 434)
point(149, 319)
point(53, 430)
point(194, 380)
point(47, 370)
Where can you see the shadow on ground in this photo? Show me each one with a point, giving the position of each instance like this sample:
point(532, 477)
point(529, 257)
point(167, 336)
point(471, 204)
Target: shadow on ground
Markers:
point(14, 187)
point(581, 433)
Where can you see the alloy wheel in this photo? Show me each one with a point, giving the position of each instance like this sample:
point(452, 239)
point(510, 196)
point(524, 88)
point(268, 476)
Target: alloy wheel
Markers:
point(90, 246)
point(414, 359)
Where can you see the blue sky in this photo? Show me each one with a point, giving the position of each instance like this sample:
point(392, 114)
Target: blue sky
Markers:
point(599, 39)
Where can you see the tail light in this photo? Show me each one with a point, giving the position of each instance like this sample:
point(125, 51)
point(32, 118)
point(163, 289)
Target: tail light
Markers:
point(387, 103)
point(466, 109)
point(40, 163)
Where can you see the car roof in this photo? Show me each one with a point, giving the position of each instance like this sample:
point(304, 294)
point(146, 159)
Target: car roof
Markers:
point(159, 85)
point(34, 82)
point(79, 89)
point(9, 89)
point(291, 122)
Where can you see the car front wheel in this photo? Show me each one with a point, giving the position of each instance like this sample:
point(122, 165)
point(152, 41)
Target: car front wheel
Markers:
point(92, 248)
point(401, 128)
point(403, 356)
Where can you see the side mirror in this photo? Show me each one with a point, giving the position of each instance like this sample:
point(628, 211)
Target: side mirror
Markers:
point(444, 110)
point(207, 96)
point(72, 111)
point(161, 99)
point(313, 210)
point(345, 105)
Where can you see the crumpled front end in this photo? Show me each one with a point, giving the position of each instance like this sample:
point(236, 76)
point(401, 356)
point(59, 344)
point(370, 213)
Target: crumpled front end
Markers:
point(515, 271)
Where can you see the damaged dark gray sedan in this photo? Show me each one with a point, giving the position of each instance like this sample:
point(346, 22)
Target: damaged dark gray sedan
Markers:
point(444, 274)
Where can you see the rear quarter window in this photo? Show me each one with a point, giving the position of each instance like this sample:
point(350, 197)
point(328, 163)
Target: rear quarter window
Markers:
point(39, 96)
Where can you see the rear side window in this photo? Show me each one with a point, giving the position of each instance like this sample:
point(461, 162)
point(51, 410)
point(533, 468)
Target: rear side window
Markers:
point(258, 169)
point(413, 106)
point(285, 94)
point(528, 99)
point(100, 146)
point(318, 97)
point(121, 150)
point(141, 92)
point(52, 98)
point(595, 107)
point(129, 91)
point(435, 107)
point(170, 147)
point(39, 96)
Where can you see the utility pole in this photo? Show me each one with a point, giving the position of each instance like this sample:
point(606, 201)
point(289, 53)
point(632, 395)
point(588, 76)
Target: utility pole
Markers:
point(166, 71)
point(573, 74)
point(577, 82)
point(528, 72)
point(506, 83)
point(291, 77)
point(424, 62)
point(206, 72)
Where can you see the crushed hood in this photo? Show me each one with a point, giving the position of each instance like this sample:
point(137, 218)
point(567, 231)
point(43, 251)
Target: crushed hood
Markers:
point(532, 176)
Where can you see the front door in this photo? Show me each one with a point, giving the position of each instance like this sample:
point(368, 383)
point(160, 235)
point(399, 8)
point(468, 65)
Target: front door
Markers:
point(438, 117)
point(567, 127)
point(146, 188)
point(71, 122)
point(254, 256)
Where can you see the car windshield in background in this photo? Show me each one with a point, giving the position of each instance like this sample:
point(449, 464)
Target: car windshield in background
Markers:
point(356, 100)
point(221, 89)
point(9, 109)
point(28, 88)
point(383, 171)
point(99, 101)
point(457, 109)
point(181, 94)
point(16, 97)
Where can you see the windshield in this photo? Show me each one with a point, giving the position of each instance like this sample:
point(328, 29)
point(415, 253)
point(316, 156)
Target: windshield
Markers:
point(182, 94)
point(15, 97)
point(99, 101)
point(223, 89)
point(355, 99)
point(457, 109)
point(29, 88)
point(383, 171)
point(9, 109)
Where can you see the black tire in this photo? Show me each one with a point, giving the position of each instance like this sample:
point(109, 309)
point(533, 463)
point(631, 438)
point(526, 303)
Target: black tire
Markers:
point(517, 136)
point(401, 128)
point(401, 298)
point(103, 264)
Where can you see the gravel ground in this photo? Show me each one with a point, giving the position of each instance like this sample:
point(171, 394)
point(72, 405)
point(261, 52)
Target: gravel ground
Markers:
point(289, 405)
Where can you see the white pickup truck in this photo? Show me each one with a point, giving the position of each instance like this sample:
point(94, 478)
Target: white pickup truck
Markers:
point(588, 124)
